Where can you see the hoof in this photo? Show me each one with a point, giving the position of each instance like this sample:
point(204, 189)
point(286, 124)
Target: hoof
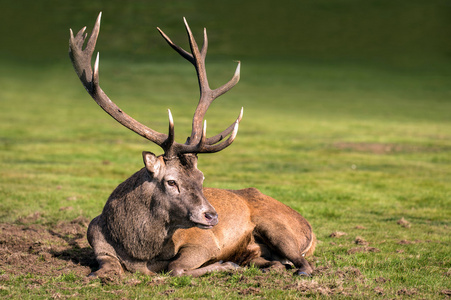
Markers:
point(302, 273)
point(234, 265)
point(92, 275)
point(230, 266)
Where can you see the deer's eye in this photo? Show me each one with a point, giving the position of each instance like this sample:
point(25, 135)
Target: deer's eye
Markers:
point(171, 183)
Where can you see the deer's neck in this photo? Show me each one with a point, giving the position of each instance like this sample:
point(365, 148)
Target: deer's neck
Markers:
point(135, 221)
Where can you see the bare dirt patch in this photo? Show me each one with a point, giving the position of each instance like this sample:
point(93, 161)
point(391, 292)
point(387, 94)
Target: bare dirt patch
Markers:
point(404, 223)
point(407, 292)
point(361, 241)
point(36, 249)
point(334, 285)
point(337, 234)
point(363, 250)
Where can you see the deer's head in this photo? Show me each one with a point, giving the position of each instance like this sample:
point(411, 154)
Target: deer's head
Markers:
point(174, 173)
point(178, 183)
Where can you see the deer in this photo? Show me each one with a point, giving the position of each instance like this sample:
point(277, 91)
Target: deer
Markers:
point(162, 219)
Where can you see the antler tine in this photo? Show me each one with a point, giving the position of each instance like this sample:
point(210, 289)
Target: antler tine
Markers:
point(199, 60)
point(81, 60)
point(185, 54)
point(206, 95)
point(226, 143)
point(219, 137)
point(230, 84)
point(171, 137)
point(209, 148)
point(204, 147)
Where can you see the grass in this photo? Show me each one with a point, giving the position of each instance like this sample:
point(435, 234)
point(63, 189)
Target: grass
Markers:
point(348, 145)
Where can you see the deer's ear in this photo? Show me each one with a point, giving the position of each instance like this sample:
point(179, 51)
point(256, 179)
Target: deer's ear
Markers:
point(153, 163)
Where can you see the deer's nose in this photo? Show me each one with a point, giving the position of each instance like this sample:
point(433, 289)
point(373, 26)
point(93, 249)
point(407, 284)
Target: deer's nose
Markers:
point(211, 218)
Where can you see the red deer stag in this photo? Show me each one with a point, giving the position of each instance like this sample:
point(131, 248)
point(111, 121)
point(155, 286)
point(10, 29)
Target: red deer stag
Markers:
point(162, 219)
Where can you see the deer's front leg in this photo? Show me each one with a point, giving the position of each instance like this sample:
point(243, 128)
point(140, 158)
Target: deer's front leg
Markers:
point(108, 266)
point(190, 259)
point(105, 254)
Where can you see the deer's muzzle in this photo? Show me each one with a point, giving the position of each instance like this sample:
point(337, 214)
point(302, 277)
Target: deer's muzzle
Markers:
point(205, 219)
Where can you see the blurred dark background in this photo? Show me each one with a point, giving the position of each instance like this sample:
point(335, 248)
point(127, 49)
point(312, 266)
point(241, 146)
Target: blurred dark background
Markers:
point(395, 32)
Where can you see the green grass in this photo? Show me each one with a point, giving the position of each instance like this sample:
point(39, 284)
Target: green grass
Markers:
point(345, 144)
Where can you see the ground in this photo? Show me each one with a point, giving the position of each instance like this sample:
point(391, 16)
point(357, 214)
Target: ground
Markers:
point(36, 249)
point(40, 252)
point(58, 259)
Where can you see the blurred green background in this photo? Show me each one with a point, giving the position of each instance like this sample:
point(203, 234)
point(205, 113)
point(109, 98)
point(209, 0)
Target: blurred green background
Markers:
point(397, 32)
point(347, 117)
point(316, 75)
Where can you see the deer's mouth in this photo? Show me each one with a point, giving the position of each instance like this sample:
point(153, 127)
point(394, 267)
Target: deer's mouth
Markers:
point(202, 226)
point(206, 220)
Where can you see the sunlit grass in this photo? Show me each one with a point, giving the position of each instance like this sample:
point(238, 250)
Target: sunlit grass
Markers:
point(346, 145)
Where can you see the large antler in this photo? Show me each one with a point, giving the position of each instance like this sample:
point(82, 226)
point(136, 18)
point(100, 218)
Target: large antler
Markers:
point(207, 95)
point(198, 142)
point(81, 59)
